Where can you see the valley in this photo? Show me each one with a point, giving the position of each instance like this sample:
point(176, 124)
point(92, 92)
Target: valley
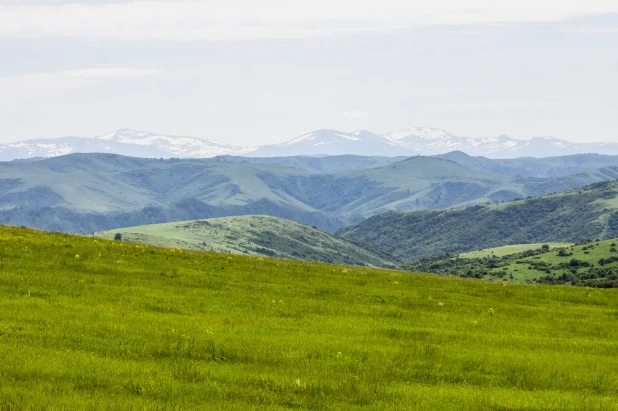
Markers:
point(587, 212)
point(86, 193)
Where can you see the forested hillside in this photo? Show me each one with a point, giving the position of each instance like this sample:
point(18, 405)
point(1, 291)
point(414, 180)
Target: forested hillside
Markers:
point(589, 263)
point(589, 212)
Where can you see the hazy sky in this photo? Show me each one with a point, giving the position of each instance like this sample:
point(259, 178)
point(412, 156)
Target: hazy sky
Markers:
point(255, 72)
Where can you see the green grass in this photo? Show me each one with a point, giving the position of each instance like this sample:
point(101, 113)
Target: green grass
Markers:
point(143, 328)
point(257, 235)
point(509, 249)
point(590, 253)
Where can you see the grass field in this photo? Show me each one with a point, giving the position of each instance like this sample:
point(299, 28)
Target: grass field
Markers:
point(99, 325)
point(509, 249)
point(522, 269)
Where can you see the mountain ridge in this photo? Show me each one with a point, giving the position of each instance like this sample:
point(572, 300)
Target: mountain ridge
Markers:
point(406, 142)
point(85, 193)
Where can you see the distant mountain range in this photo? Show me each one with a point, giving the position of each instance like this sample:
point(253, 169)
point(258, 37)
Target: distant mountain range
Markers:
point(409, 142)
point(84, 193)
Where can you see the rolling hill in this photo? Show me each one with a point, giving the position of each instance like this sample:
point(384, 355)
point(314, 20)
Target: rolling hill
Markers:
point(320, 164)
point(85, 193)
point(100, 325)
point(535, 167)
point(546, 167)
point(589, 263)
point(251, 235)
point(588, 212)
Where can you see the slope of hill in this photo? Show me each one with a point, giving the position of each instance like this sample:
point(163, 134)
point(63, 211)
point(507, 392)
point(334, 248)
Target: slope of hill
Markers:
point(547, 167)
point(251, 235)
point(99, 325)
point(535, 167)
point(320, 164)
point(93, 192)
point(588, 263)
point(408, 142)
point(589, 212)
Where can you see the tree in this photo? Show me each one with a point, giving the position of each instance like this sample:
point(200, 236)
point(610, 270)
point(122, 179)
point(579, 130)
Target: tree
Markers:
point(118, 237)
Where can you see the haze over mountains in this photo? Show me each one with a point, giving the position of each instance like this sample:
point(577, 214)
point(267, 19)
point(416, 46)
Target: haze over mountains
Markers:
point(409, 142)
point(84, 193)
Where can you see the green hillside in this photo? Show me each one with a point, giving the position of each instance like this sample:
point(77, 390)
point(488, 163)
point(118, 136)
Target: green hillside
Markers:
point(251, 235)
point(536, 167)
point(510, 249)
point(323, 164)
point(85, 193)
point(589, 212)
point(99, 325)
point(588, 263)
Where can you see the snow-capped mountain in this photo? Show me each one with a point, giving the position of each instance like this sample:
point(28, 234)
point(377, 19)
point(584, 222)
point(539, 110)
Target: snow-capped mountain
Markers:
point(124, 141)
point(427, 141)
point(331, 142)
point(412, 141)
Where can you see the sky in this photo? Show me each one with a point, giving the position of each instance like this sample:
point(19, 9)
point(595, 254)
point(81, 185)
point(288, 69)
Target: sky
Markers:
point(249, 72)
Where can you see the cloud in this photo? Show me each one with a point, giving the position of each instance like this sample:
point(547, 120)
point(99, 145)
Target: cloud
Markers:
point(499, 104)
point(25, 86)
point(356, 114)
point(250, 19)
point(107, 72)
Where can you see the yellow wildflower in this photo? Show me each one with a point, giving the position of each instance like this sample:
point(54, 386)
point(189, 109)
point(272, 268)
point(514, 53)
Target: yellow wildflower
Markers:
point(76, 257)
point(339, 355)
point(396, 282)
point(491, 311)
point(475, 323)
point(429, 299)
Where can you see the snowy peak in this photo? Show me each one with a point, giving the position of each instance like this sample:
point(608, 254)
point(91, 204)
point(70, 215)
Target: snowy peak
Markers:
point(125, 142)
point(322, 137)
point(424, 133)
point(330, 142)
point(411, 142)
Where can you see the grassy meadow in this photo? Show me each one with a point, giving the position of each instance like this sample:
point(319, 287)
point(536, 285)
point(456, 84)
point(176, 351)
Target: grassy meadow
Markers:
point(509, 249)
point(98, 325)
